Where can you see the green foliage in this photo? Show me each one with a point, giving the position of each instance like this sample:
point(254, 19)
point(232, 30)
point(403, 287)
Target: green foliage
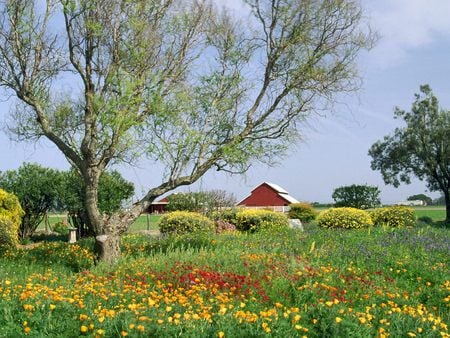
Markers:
point(395, 216)
point(182, 222)
point(205, 202)
point(253, 220)
point(425, 219)
point(11, 214)
point(183, 202)
point(37, 189)
point(227, 215)
point(61, 228)
point(420, 148)
point(357, 196)
point(302, 211)
point(348, 218)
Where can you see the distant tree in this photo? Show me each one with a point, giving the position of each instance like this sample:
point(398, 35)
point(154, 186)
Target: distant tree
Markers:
point(37, 189)
point(182, 202)
point(421, 148)
point(357, 196)
point(421, 197)
point(439, 201)
point(203, 201)
point(184, 83)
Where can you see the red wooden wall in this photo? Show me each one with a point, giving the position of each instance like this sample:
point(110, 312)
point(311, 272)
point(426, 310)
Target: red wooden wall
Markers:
point(262, 196)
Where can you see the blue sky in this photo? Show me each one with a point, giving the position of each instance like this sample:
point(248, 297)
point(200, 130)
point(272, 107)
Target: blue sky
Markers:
point(413, 49)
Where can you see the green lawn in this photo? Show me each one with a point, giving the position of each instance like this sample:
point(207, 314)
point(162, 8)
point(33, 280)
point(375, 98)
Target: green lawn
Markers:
point(143, 222)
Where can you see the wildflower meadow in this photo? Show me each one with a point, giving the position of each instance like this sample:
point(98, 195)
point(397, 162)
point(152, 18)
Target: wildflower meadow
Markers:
point(374, 282)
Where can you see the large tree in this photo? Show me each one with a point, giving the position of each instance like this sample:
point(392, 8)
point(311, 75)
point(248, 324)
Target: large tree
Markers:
point(361, 196)
point(420, 148)
point(179, 81)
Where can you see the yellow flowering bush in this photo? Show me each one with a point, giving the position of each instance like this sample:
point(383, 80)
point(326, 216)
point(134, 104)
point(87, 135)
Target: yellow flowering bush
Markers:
point(10, 217)
point(348, 218)
point(182, 222)
point(395, 216)
point(256, 219)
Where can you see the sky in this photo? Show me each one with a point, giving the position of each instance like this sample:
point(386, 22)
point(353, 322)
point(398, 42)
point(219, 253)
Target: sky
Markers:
point(413, 49)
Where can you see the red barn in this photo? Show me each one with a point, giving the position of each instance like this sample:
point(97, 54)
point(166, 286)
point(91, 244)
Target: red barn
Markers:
point(158, 207)
point(268, 195)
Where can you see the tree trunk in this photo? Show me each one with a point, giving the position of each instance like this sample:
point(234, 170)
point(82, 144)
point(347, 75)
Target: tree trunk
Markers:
point(447, 206)
point(107, 248)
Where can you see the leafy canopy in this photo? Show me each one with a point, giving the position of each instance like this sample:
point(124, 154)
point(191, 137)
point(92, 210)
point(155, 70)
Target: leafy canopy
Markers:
point(420, 148)
point(357, 196)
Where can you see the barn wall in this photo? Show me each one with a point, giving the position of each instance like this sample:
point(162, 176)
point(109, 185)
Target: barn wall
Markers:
point(264, 196)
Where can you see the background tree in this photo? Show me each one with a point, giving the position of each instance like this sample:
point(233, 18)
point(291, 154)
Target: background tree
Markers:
point(202, 201)
point(179, 81)
point(357, 196)
point(421, 148)
point(37, 189)
point(421, 197)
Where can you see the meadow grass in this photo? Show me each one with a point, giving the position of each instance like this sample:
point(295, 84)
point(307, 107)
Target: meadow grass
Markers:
point(375, 282)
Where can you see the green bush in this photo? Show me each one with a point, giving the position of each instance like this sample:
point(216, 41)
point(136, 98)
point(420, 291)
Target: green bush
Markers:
point(183, 222)
point(227, 215)
point(252, 220)
point(348, 218)
point(302, 211)
point(425, 219)
point(10, 217)
point(395, 216)
point(61, 228)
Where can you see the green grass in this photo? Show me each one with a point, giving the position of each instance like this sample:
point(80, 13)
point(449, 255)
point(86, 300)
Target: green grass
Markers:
point(143, 222)
point(436, 213)
point(316, 283)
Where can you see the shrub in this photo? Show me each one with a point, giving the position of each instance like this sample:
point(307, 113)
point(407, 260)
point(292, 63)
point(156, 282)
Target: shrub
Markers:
point(257, 219)
point(348, 218)
point(395, 216)
point(10, 217)
point(183, 222)
point(302, 211)
point(61, 228)
point(227, 215)
point(425, 219)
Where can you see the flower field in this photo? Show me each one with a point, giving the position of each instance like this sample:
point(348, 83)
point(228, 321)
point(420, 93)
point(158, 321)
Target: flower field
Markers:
point(317, 283)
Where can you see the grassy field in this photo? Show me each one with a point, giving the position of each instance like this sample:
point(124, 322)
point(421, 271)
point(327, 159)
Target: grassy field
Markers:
point(143, 222)
point(317, 283)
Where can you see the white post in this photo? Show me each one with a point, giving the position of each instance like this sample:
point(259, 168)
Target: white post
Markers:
point(72, 235)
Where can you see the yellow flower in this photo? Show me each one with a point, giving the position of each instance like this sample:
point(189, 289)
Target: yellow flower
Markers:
point(83, 329)
point(338, 319)
point(124, 333)
point(52, 306)
point(26, 329)
point(100, 332)
point(83, 317)
point(140, 328)
point(221, 334)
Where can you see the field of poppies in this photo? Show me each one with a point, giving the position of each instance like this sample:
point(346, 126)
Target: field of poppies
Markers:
point(378, 282)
